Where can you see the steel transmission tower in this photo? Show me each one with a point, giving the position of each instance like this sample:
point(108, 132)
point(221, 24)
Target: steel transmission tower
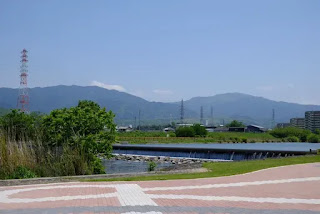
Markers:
point(181, 112)
point(201, 115)
point(212, 122)
point(23, 97)
point(273, 119)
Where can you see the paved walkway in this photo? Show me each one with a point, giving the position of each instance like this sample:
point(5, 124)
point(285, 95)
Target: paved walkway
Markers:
point(283, 190)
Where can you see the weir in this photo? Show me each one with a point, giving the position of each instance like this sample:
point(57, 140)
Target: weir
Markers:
point(207, 151)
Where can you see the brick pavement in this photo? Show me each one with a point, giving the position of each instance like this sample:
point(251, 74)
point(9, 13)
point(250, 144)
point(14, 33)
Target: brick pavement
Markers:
point(283, 190)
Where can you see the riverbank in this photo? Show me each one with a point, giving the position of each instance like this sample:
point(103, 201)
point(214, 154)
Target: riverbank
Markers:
point(218, 169)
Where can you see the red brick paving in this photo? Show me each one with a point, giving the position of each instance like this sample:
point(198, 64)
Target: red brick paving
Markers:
point(294, 188)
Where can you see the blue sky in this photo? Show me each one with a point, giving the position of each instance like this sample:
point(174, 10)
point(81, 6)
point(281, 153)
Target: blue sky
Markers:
point(166, 50)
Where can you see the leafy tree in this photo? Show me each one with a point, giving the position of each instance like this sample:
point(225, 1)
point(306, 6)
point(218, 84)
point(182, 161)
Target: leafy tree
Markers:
point(235, 123)
point(86, 128)
point(185, 132)
point(199, 130)
point(293, 139)
point(313, 138)
point(317, 131)
point(302, 134)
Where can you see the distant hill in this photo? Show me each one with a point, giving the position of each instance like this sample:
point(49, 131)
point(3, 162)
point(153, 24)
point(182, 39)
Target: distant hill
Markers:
point(247, 108)
point(124, 105)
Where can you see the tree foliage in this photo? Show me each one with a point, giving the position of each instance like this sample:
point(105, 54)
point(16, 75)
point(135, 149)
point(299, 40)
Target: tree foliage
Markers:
point(19, 126)
point(313, 138)
point(192, 131)
point(302, 134)
point(200, 130)
point(185, 132)
point(65, 142)
point(235, 123)
point(86, 128)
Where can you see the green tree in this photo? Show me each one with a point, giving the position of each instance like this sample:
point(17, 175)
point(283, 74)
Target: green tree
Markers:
point(302, 134)
point(185, 132)
point(235, 123)
point(313, 138)
point(86, 128)
point(200, 130)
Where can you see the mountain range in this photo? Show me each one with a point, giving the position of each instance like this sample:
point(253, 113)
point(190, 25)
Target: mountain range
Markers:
point(247, 108)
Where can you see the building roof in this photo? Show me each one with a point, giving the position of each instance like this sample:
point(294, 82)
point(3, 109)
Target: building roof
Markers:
point(256, 126)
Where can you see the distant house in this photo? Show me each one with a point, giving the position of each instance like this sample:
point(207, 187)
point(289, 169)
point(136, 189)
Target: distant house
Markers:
point(168, 129)
point(237, 129)
point(221, 129)
point(210, 128)
point(124, 128)
point(178, 125)
point(255, 129)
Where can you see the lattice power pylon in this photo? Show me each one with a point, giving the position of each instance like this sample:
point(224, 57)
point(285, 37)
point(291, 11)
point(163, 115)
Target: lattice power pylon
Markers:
point(23, 97)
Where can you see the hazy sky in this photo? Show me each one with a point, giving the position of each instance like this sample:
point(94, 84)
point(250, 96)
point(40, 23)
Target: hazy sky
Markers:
point(166, 50)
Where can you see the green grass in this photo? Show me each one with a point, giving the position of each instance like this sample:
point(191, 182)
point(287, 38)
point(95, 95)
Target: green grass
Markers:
point(225, 169)
point(215, 137)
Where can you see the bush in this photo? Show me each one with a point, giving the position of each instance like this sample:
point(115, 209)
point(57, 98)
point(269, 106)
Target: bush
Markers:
point(185, 132)
point(235, 123)
point(292, 139)
point(65, 142)
point(22, 172)
point(302, 134)
point(200, 130)
point(172, 134)
point(151, 166)
point(244, 140)
point(313, 138)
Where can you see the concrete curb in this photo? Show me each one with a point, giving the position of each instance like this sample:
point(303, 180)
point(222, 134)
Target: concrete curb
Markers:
point(46, 180)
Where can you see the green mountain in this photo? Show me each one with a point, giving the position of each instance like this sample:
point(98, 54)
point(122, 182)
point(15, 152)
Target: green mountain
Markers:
point(124, 105)
point(247, 108)
point(250, 109)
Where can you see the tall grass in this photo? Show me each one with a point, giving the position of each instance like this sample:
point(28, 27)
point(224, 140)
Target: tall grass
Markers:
point(30, 158)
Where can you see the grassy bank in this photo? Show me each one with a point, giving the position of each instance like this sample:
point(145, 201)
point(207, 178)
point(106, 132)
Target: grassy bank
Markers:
point(226, 169)
point(224, 137)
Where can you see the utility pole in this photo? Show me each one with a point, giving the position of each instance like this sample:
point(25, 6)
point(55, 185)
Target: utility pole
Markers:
point(135, 122)
point(181, 112)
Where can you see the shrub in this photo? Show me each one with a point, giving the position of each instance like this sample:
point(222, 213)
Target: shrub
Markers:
point(172, 134)
point(185, 132)
point(302, 134)
point(313, 138)
point(200, 130)
point(244, 140)
point(235, 123)
point(65, 142)
point(292, 139)
point(22, 172)
point(151, 166)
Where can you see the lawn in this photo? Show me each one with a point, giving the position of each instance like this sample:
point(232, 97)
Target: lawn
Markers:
point(216, 137)
point(219, 169)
